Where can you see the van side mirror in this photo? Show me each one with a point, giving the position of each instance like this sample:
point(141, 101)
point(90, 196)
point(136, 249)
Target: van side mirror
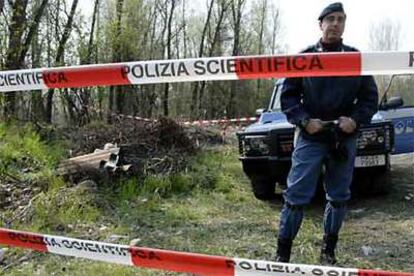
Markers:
point(259, 112)
point(392, 103)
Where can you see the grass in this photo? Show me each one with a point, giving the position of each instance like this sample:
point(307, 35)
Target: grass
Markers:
point(209, 209)
point(25, 156)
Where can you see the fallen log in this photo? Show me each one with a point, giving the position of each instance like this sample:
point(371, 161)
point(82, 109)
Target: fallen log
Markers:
point(100, 160)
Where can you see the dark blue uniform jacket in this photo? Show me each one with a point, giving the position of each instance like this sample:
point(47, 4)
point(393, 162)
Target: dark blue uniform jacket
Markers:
point(328, 98)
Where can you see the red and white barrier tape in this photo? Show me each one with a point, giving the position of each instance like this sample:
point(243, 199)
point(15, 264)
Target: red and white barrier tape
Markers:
point(216, 68)
point(135, 118)
point(172, 260)
point(221, 121)
point(194, 123)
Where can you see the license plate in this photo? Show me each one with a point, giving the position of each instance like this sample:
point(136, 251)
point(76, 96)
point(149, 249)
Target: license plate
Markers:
point(369, 161)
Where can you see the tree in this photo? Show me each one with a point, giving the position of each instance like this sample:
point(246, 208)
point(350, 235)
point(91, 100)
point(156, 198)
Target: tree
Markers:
point(261, 28)
point(83, 95)
point(32, 31)
point(194, 104)
point(214, 41)
point(16, 30)
point(35, 39)
point(47, 33)
point(115, 92)
point(19, 43)
point(276, 28)
point(92, 33)
point(384, 36)
point(169, 54)
point(59, 59)
point(236, 17)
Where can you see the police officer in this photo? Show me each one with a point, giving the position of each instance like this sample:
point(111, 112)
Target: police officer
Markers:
point(308, 103)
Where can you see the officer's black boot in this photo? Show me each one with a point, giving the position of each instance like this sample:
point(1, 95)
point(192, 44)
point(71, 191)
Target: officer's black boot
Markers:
point(328, 249)
point(284, 247)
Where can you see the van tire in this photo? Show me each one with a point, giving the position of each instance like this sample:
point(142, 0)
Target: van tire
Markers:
point(263, 188)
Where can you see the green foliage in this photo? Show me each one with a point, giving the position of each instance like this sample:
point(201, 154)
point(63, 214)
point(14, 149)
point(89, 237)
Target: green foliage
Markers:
point(153, 187)
point(128, 189)
point(3, 131)
point(209, 170)
point(206, 169)
point(181, 183)
point(24, 155)
point(65, 206)
point(161, 186)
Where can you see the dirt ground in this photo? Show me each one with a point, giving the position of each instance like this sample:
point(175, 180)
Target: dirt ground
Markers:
point(385, 224)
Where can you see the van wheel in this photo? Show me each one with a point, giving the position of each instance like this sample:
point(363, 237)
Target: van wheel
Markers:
point(372, 182)
point(380, 182)
point(263, 188)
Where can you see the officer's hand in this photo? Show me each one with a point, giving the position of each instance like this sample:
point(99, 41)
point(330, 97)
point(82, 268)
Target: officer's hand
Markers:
point(313, 126)
point(347, 124)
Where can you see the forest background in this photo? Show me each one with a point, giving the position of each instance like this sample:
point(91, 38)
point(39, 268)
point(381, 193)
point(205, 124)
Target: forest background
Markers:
point(50, 33)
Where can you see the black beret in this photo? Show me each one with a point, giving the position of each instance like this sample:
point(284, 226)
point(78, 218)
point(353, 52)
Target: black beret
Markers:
point(334, 7)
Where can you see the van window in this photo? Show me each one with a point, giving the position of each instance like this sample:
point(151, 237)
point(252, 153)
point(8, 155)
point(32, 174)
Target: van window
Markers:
point(275, 101)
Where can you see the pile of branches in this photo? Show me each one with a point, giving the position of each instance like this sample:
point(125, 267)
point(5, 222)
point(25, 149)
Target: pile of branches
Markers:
point(157, 148)
point(160, 147)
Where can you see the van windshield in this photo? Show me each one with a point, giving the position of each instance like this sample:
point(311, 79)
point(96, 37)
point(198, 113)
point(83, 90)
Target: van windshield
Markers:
point(275, 100)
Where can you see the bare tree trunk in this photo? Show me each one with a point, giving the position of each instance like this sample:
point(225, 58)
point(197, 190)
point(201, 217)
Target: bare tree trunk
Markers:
point(119, 90)
point(195, 95)
point(48, 41)
point(85, 93)
point(114, 92)
point(169, 55)
point(36, 102)
point(32, 30)
point(224, 7)
point(151, 93)
point(236, 6)
point(97, 52)
point(16, 29)
point(263, 12)
point(276, 28)
point(184, 22)
point(59, 57)
point(91, 35)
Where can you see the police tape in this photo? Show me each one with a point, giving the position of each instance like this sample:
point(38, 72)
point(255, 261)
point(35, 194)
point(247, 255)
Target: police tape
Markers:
point(215, 68)
point(137, 118)
point(221, 121)
point(194, 123)
point(199, 264)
